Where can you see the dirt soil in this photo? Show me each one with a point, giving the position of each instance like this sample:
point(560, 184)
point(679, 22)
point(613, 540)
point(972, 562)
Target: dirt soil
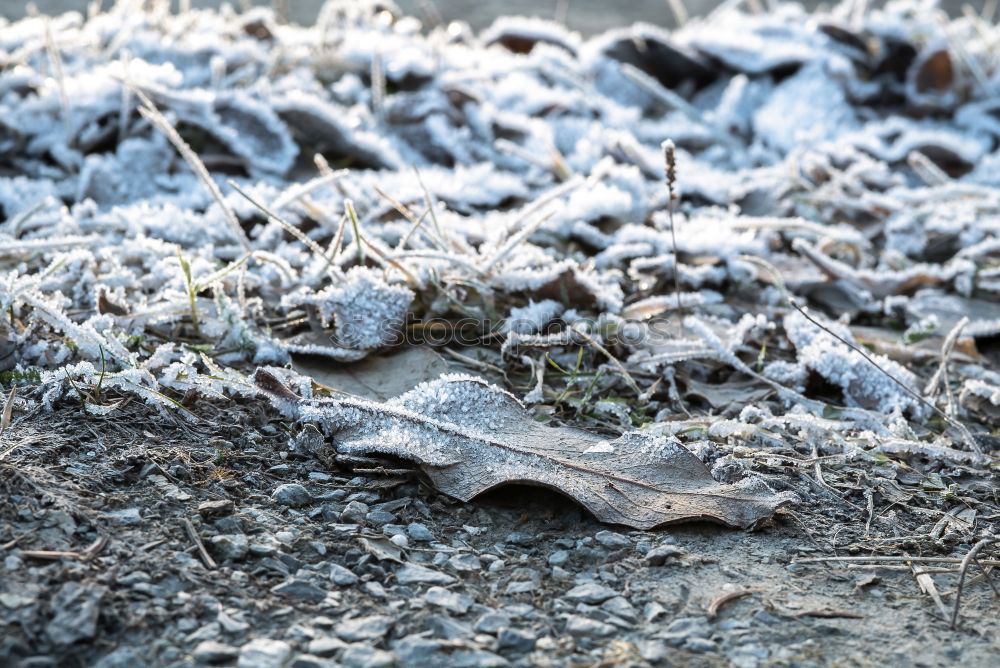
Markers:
point(520, 576)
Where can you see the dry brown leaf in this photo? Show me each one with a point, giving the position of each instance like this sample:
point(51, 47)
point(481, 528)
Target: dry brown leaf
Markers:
point(470, 437)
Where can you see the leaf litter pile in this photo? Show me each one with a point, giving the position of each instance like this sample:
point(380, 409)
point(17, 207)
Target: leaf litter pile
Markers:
point(748, 267)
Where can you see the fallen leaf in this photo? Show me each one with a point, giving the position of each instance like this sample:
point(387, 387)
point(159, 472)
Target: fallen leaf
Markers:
point(382, 548)
point(377, 377)
point(470, 437)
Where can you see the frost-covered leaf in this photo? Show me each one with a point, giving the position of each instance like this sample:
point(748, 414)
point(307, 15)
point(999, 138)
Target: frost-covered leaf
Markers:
point(377, 377)
point(470, 437)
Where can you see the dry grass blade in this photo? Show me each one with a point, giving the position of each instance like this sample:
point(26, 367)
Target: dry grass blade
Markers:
point(780, 284)
point(716, 604)
point(611, 358)
point(55, 58)
point(976, 549)
point(154, 116)
point(8, 410)
point(196, 539)
point(927, 585)
point(893, 560)
point(515, 241)
point(288, 227)
point(941, 375)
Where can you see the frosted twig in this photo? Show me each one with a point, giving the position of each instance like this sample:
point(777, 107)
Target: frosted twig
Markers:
point(408, 215)
point(352, 215)
point(446, 257)
point(926, 169)
point(153, 115)
point(431, 206)
point(542, 201)
point(288, 227)
point(301, 190)
point(578, 331)
point(780, 284)
point(976, 549)
point(55, 58)
point(515, 241)
point(679, 11)
point(942, 371)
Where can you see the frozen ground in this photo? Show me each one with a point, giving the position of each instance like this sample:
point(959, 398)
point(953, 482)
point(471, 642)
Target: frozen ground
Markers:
point(227, 246)
point(588, 16)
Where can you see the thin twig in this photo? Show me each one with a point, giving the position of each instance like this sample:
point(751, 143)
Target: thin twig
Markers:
point(926, 583)
point(961, 574)
point(611, 358)
point(719, 601)
point(196, 539)
point(288, 227)
point(893, 560)
point(780, 284)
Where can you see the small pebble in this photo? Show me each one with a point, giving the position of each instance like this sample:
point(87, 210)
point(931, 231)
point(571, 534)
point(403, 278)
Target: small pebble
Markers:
point(292, 495)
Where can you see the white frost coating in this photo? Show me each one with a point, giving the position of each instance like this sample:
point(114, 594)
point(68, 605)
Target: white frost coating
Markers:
point(98, 209)
point(532, 318)
point(367, 313)
point(847, 369)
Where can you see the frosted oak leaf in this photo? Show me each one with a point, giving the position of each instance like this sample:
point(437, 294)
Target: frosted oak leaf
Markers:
point(469, 437)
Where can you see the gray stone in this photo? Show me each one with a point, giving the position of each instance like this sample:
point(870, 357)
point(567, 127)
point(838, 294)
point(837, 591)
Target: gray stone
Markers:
point(558, 558)
point(492, 622)
point(516, 640)
point(591, 593)
point(373, 627)
point(682, 630)
point(264, 653)
point(446, 628)
point(302, 590)
point(525, 587)
point(123, 657)
point(416, 652)
point(354, 513)
point(465, 563)
point(415, 574)
point(584, 626)
point(76, 608)
point(653, 611)
point(449, 600)
point(292, 495)
point(521, 538)
point(620, 607)
point(310, 661)
point(479, 658)
point(613, 540)
point(766, 618)
point(230, 547)
point(380, 518)
point(326, 646)
point(662, 553)
point(393, 529)
point(125, 517)
point(653, 651)
point(419, 532)
point(341, 576)
point(363, 656)
point(212, 652)
point(700, 645)
point(216, 507)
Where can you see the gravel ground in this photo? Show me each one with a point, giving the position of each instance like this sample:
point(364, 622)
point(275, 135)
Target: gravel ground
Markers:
point(312, 566)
